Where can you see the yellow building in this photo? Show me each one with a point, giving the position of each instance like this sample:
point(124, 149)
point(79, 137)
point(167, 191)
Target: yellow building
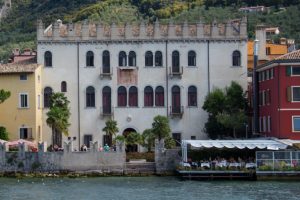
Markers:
point(272, 51)
point(21, 113)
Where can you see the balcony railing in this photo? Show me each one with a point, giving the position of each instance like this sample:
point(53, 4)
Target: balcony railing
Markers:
point(107, 111)
point(128, 67)
point(106, 73)
point(176, 111)
point(176, 72)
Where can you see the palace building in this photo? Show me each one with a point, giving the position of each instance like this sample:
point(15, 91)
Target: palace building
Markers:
point(132, 73)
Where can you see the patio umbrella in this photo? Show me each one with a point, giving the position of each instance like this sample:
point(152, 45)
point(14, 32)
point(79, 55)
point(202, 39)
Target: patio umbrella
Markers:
point(16, 143)
point(2, 141)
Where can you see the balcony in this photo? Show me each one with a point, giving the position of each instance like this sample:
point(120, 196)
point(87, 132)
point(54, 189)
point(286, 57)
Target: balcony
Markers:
point(107, 111)
point(175, 72)
point(128, 67)
point(176, 111)
point(106, 73)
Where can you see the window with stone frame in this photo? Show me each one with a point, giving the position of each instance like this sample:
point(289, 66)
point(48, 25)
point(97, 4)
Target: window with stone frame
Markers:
point(90, 97)
point(236, 58)
point(192, 58)
point(48, 59)
point(159, 96)
point(90, 59)
point(148, 96)
point(149, 59)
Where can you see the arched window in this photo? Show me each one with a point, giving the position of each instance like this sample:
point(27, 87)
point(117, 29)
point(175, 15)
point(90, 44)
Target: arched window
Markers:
point(236, 58)
point(90, 96)
point(89, 59)
point(106, 100)
point(158, 59)
point(63, 86)
point(148, 96)
point(159, 96)
point(132, 58)
point(106, 62)
point(175, 61)
point(48, 59)
point(122, 96)
point(122, 58)
point(149, 59)
point(47, 96)
point(133, 96)
point(192, 96)
point(176, 99)
point(192, 58)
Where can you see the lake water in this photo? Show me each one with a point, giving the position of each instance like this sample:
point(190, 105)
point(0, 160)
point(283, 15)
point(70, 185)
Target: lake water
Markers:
point(142, 188)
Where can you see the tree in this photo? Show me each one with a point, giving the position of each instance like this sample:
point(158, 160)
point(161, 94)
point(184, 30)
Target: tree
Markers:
point(214, 102)
point(133, 138)
point(169, 142)
point(226, 110)
point(233, 121)
point(160, 127)
point(111, 127)
point(148, 139)
point(3, 133)
point(58, 117)
point(4, 95)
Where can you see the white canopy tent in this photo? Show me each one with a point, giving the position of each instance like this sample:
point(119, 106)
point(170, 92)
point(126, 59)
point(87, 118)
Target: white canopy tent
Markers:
point(239, 144)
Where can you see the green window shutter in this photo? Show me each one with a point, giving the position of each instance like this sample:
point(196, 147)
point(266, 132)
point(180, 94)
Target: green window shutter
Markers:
point(289, 93)
point(288, 70)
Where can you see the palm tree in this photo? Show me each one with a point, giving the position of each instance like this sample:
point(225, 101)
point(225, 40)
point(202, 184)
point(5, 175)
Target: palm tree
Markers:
point(111, 127)
point(58, 117)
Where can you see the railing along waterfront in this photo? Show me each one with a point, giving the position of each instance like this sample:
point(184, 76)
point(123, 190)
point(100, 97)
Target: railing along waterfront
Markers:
point(278, 160)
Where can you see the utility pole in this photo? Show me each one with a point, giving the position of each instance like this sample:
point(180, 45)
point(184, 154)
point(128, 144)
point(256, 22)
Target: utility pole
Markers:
point(255, 88)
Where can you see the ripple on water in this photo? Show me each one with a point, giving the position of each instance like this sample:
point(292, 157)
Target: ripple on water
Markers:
point(144, 188)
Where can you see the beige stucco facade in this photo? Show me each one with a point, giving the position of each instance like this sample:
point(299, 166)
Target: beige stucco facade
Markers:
point(13, 115)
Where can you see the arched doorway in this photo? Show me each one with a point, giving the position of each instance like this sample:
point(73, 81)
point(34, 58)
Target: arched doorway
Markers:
point(130, 148)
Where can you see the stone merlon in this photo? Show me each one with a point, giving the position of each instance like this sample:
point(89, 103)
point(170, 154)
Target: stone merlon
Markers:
point(91, 31)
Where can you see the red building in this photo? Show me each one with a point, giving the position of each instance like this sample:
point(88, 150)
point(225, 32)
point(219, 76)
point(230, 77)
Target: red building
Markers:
point(279, 97)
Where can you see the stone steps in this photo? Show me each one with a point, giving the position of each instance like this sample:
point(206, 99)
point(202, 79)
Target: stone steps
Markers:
point(147, 168)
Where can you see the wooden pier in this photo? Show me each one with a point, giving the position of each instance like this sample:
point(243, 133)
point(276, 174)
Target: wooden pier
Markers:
point(216, 175)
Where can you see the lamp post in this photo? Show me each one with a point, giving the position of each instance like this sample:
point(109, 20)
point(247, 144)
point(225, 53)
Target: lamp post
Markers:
point(255, 88)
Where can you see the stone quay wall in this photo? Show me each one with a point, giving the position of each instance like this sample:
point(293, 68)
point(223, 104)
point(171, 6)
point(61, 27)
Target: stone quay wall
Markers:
point(166, 160)
point(67, 160)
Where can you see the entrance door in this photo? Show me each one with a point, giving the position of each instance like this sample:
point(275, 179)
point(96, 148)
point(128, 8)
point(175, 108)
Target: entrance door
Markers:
point(130, 148)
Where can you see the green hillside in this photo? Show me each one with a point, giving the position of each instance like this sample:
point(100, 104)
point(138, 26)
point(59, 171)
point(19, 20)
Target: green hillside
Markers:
point(18, 29)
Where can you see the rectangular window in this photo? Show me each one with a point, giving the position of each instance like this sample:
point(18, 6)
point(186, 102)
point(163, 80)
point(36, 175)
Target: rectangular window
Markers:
point(263, 75)
point(87, 139)
point(296, 93)
point(39, 101)
point(271, 73)
point(260, 124)
point(268, 51)
point(193, 137)
point(296, 71)
point(259, 77)
point(296, 123)
point(23, 101)
point(267, 74)
point(269, 124)
point(23, 77)
point(26, 133)
point(264, 124)
point(177, 138)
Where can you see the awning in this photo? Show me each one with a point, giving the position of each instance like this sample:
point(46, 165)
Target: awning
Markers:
point(21, 141)
point(2, 141)
point(240, 144)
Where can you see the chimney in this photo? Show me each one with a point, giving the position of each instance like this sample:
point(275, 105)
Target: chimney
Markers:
point(261, 35)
